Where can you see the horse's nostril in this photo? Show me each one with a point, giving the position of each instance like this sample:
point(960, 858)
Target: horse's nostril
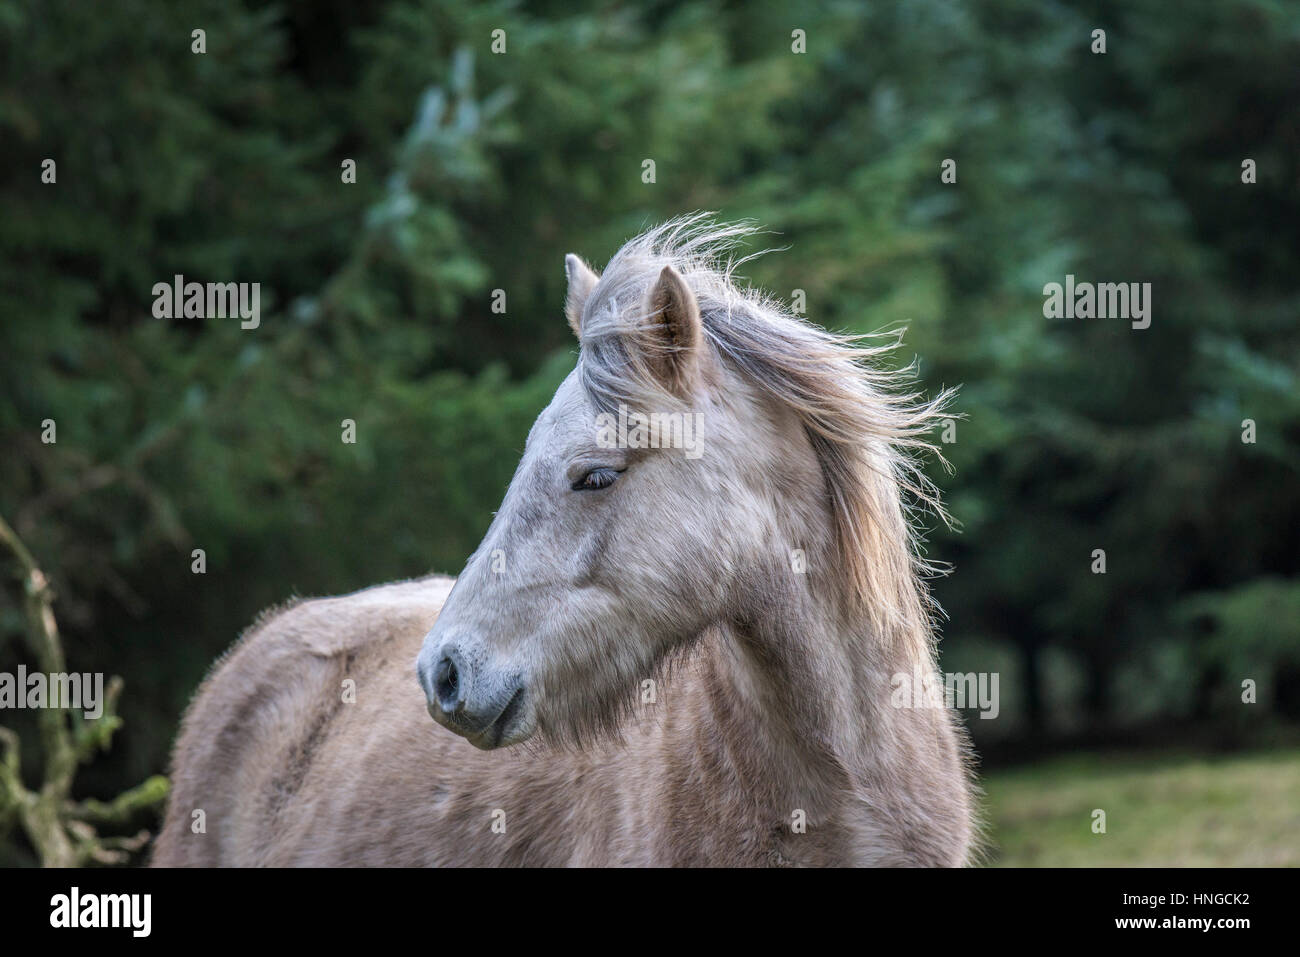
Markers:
point(446, 684)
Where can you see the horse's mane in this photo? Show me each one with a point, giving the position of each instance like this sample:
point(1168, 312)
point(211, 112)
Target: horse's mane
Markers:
point(867, 424)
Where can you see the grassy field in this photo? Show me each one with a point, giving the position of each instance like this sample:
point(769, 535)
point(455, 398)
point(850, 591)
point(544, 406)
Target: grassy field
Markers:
point(1178, 811)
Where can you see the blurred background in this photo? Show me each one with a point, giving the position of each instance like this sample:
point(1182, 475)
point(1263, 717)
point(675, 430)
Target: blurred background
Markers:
point(478, 171)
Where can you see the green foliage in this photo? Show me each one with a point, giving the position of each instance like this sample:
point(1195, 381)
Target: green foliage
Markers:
point(478, 171)
point(1248, 632)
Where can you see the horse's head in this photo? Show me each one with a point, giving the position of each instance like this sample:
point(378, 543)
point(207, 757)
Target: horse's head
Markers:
point(706, 445)
point(644, 490)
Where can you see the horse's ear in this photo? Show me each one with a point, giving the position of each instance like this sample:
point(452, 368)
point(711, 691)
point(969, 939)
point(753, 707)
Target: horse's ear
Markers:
point(672, 332)
point(582, 280)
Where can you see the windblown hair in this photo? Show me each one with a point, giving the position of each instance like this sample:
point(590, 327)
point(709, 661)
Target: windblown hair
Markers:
point(866, 425)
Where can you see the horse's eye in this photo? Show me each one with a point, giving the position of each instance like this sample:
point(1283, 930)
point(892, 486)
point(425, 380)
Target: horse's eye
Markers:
point(596, 479)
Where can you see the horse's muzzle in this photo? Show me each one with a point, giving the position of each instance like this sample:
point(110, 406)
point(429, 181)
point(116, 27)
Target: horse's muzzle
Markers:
point(476, 702)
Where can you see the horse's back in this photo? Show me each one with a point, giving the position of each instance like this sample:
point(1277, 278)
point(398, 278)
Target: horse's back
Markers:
point(256, 729)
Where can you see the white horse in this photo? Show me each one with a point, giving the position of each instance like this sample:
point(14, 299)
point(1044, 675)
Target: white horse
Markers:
point(698, 647)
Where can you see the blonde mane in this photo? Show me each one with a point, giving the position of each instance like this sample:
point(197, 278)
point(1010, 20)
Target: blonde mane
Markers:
point(867, 425)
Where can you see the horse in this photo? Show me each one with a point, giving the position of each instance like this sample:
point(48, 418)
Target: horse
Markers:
point(654, 657)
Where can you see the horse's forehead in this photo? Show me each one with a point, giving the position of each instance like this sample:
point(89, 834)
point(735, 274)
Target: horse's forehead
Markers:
point(567, 422)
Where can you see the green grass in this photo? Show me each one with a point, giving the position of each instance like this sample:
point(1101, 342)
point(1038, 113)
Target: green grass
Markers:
point(1177, 811)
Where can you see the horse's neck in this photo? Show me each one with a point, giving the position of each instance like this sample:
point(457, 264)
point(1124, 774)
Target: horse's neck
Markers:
point(800, 704)
point(804, 679)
